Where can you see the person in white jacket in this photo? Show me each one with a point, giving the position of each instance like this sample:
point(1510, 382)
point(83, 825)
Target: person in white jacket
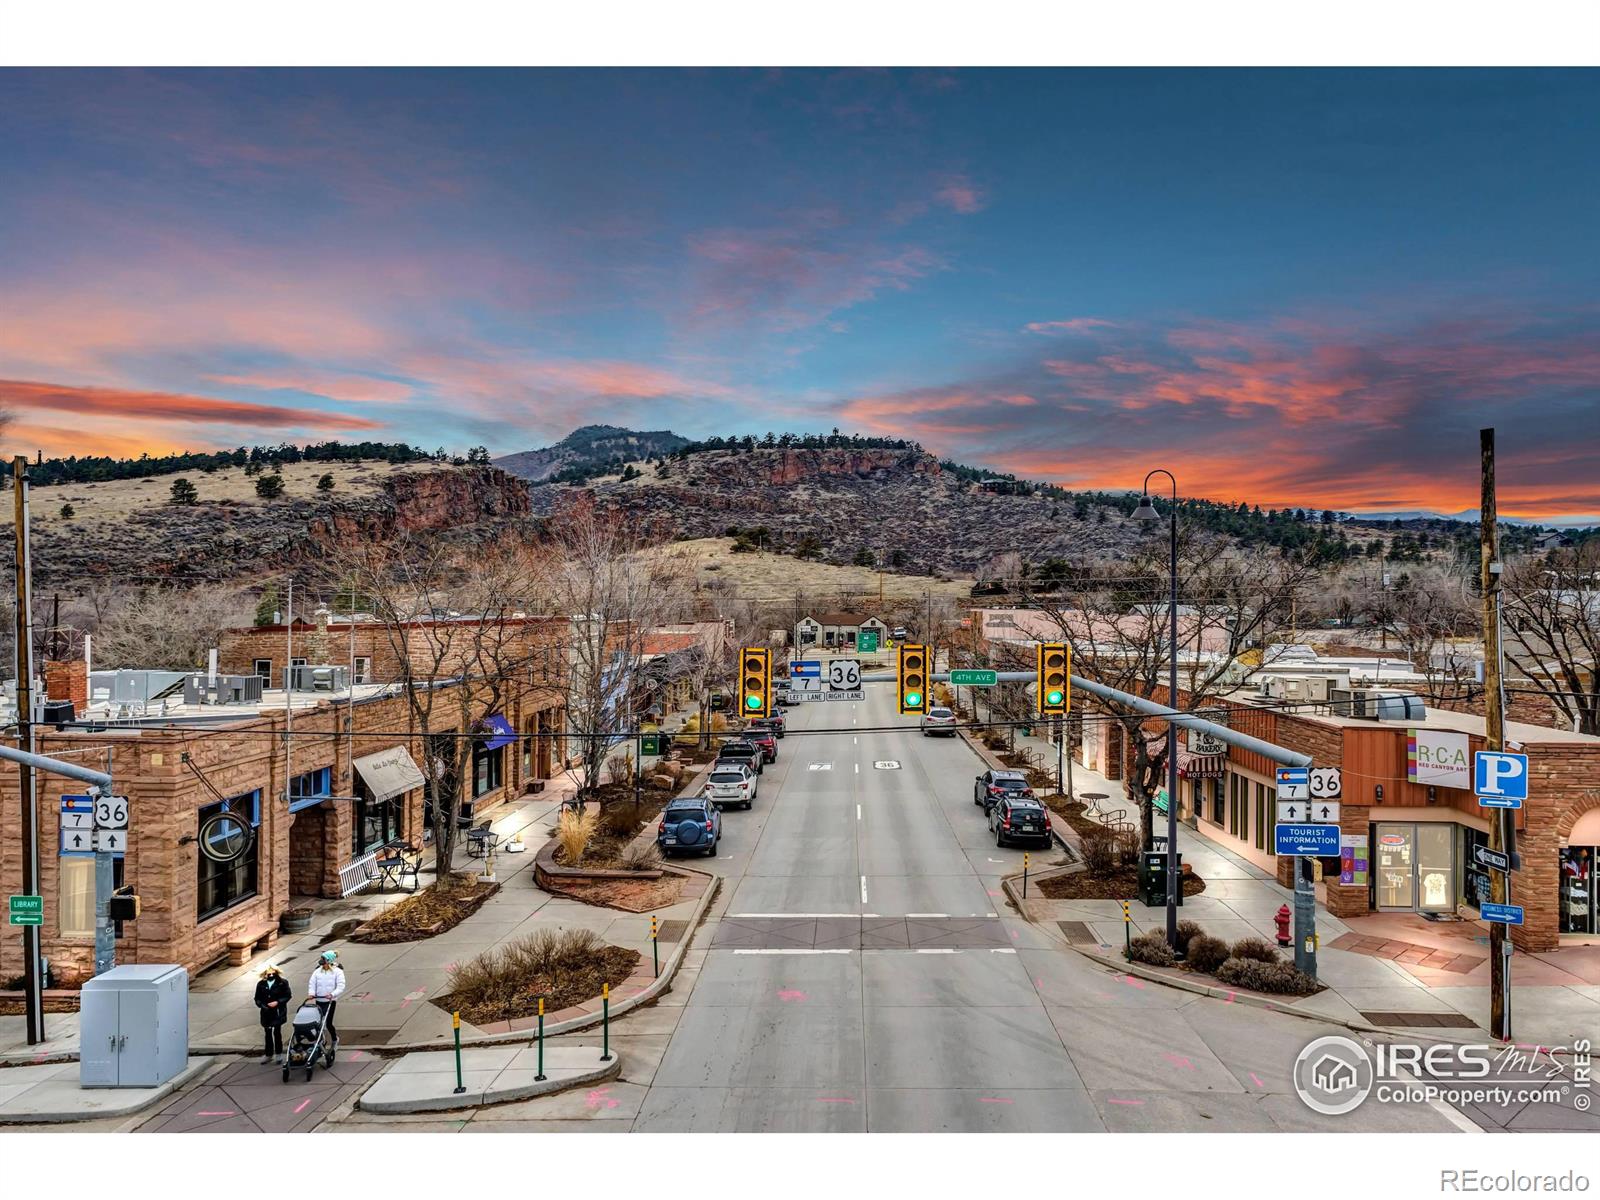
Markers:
point(327, 985)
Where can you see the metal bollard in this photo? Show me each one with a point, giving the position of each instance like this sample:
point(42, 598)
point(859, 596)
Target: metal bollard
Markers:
point(1024, 874)
point(605, 1022)
point(455, 1024)
point(540, 1076)
point(655, 952)
point(1127, 932)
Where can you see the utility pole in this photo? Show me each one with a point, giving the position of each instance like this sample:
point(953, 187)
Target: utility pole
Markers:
point(33, 984)
point(1502, 835)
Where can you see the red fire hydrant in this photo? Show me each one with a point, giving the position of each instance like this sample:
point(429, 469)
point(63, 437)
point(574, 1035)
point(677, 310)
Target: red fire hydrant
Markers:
point(1281, 920)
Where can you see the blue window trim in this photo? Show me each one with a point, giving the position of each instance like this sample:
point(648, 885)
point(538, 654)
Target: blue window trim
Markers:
point(321, 785)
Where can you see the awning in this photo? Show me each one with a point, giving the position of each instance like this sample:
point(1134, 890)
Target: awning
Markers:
point(388, 773)
point(504, 734)
point(1201, 766)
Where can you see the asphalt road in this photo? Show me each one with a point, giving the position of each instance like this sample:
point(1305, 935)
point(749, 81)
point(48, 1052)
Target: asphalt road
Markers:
point(864, 973)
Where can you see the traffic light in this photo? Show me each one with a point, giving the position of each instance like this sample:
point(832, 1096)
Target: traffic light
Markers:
point(122, 905)
point(755, 682)
point(1054, 678)
point(912, 674)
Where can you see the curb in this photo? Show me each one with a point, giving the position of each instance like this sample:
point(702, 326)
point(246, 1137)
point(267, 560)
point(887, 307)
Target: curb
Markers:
point(184, 1077)
point(608, 1070)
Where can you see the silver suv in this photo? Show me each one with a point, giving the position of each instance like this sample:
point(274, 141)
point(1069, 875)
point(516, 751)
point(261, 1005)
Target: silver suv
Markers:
point(938, 722)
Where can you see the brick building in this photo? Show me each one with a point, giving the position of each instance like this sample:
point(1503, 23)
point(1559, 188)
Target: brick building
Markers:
point(323, 785)
point(1408, 818)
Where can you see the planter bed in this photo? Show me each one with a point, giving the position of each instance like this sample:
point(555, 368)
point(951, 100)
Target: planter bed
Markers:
point(432, 911)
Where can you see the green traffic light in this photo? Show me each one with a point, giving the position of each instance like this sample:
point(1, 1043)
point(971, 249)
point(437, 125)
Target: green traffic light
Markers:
point(913, 699)
point(752, 701)
point(1053, 697)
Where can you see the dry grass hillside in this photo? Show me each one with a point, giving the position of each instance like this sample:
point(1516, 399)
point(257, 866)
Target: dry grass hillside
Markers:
point(763, 576)
point(95, 504)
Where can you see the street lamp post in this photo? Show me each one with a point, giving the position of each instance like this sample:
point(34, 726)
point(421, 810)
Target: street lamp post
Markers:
point(1147, 512)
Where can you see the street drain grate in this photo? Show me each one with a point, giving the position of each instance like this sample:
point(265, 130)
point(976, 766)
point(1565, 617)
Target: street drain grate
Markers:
point(672, 931)
point(1077, 931)
point(1421, 1020)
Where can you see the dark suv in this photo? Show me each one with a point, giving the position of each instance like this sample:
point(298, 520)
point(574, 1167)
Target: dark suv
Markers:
point(1017, 817)
point(748, 753)
point(777, 722)
point(995, 783)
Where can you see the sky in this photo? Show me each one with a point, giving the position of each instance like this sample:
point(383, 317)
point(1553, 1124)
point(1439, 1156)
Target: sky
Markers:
point(1287, 287)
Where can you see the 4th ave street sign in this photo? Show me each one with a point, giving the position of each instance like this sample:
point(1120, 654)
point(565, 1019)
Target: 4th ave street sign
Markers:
point(27, 910)
point(973, 678)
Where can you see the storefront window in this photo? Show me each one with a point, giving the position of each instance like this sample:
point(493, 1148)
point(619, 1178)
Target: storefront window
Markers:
point(488, 768)
point(310, 789)
point(1578, 908)
point(1394, 856)
point(77, 896)
point(376, 822)
point(1436, 890)
point(222, 885)
point(1216, 801)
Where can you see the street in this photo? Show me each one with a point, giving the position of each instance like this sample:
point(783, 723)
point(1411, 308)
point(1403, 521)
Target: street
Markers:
point(860, 971)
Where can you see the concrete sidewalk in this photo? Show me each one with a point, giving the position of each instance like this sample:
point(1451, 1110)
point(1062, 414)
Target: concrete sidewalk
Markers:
point(426, 1081)
point(1380, 965)
point(389, 986)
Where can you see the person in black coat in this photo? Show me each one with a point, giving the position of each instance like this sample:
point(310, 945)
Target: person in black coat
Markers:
point(273, 997)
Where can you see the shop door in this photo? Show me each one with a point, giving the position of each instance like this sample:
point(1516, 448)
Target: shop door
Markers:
point(1436, 874)
point(1578, 908)
point(1395, 864)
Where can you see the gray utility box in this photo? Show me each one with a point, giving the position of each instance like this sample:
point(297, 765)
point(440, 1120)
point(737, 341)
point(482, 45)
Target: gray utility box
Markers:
point(133, 1026)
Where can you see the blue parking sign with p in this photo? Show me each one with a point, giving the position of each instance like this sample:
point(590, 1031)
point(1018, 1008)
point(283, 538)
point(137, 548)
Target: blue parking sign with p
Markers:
point(1500, 775)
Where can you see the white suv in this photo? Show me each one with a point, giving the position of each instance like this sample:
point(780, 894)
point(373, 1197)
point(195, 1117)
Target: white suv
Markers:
point(939, 722)
point(730, 784)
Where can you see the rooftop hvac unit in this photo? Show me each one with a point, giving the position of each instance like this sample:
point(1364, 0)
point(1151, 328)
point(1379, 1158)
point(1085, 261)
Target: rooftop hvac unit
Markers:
point(318, 679)
point(1377, 704)
point(200, 688)
point(1309, 689)
point(137, 687)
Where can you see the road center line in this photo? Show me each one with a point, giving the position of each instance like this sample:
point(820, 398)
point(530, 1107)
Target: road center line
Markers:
point(863, 889)
point(858, 812)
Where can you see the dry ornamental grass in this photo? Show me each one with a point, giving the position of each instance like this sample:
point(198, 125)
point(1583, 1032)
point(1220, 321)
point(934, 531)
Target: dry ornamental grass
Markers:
point(564, 967)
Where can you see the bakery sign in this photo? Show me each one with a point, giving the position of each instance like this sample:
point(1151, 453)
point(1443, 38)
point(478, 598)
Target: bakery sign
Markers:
point(1203, 742)
point(1438, 758)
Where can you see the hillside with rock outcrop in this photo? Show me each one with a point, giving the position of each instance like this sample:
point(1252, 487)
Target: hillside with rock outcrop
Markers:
point(128, 531)
point(903, 503)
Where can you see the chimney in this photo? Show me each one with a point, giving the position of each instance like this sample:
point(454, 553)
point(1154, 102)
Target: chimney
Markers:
point(68, 681)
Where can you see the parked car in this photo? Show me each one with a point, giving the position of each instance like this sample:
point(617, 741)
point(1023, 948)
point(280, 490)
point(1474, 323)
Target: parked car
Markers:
point(938, 722)
point(995, 783)
point(690, 824)
point(783, 697)
point(752, 755)
point(777, 722)
point(732, 783)
point(1015, 817)
point(899, 633)
point(766, 739)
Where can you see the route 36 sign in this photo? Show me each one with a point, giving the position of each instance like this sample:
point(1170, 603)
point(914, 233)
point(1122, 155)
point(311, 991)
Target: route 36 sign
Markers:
point(844, 675)
point(111, 812)
point(1325, 783)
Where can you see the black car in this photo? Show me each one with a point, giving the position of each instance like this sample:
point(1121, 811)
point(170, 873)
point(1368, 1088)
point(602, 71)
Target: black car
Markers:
point(1016, 817)
point(776, 722)
point(748, 753)
point(995, 783)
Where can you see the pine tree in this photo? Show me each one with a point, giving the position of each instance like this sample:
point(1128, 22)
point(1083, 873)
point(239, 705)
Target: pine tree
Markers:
point(183, 493)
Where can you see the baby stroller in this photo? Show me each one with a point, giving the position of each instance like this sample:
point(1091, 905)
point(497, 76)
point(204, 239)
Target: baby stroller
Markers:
point(308, 1038)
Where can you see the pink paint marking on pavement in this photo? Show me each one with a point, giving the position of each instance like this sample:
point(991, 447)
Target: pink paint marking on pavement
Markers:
point(995, 1100)
point(1230, 997)
point(1124, 1101)
point(1133, 981)
point(787, 994)
point(301, 1107)
point(1256, 1079)
point(1178, 1060)
point(599, 1099)
point(357, 1055)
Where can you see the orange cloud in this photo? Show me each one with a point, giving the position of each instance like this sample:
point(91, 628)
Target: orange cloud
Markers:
point(121, 402)
point(1070, 325)
point(960, 194)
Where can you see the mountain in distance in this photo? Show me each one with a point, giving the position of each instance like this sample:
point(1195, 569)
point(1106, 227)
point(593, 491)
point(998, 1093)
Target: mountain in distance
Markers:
point(588, 451)
point(1471, 515)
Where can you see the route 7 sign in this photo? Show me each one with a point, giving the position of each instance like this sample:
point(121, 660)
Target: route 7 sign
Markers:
point(1294, 783)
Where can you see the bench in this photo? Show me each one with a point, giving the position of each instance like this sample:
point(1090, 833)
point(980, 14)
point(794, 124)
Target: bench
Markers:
point(250, 939)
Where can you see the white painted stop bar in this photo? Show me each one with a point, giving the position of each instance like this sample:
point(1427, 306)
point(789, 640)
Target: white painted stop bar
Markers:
point(1278, 754)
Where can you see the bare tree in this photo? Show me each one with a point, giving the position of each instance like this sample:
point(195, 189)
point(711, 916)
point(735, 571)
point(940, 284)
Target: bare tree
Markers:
point(1551, 616)
point(613, 583)
point(1432, 607)
point(1116, 621)
point(168, 629)
point(462, 632)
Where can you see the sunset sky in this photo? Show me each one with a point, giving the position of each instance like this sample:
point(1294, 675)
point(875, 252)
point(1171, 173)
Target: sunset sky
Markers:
point(1288, 287)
